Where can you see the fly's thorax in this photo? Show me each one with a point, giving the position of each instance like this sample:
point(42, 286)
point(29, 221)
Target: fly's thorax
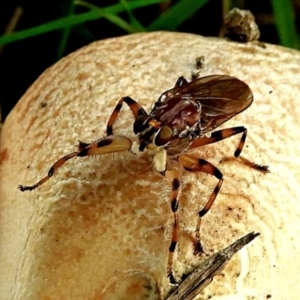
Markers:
point(178, 113)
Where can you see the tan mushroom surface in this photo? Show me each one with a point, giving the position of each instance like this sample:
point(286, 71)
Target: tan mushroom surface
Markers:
point(101, 227)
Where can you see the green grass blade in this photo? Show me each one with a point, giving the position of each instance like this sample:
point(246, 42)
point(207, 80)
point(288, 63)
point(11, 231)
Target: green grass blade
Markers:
point(133, 21)
point(73, 20)
point(65, 34)
point(285, 23)
point(176, 14)
point(115, 19)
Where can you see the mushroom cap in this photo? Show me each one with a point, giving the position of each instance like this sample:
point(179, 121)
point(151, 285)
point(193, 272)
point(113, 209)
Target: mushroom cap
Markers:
point(100, 228)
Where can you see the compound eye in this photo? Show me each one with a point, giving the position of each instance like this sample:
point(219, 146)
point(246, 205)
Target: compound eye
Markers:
point(140, 124)
point(163, 136)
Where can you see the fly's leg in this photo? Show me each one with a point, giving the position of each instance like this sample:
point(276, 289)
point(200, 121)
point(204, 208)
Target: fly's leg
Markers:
point(220, 135)
point(173, 175)
point(262, 168)
point(224, 134)
point(194, 164)
point(136, 109)
point(52, 170)
point(109, 144)
point(180, 81)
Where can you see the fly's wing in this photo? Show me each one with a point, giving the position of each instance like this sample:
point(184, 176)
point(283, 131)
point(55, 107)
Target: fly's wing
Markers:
point(219, 97)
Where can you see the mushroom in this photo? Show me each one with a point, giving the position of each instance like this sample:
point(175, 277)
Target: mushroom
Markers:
point(101, 227)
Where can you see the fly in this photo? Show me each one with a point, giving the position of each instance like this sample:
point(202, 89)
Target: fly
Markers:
point(183, 118)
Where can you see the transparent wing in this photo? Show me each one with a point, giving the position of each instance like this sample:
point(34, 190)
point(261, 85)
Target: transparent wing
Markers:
point(219, 97)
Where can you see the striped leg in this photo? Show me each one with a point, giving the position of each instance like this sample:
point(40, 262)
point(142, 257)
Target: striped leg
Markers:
point(224, 134)
point(110, 144)
point(173, 175)
point(193, 164)
point(137, 110)
point(221, 135)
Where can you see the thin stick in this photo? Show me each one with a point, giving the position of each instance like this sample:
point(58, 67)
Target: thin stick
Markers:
point(203, 275)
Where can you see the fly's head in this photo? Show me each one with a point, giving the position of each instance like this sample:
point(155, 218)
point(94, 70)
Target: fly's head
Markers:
point(152, 133)
point(172, 124)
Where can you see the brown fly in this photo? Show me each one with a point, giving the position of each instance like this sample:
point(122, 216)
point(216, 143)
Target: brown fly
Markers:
point(183, 118)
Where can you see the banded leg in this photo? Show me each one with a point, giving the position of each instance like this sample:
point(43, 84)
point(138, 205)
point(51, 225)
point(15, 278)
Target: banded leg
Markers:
point(173, 175)
point(109, 144)
point(224, 134)
point(136, 109)
point(194, 164)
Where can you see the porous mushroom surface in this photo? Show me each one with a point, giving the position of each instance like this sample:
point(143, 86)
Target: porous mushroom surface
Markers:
point(101, 227)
